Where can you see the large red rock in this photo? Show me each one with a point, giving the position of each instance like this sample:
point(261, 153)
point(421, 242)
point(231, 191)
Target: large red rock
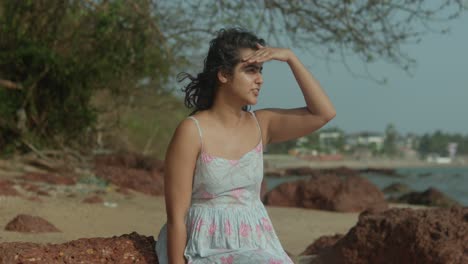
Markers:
point(322, 243)
point(403, 236)
point(132, 171)
point(131, 248)
point(30, 224)
point(263, 189)
point(429, 197)
point(329, 192)
point(308, 171)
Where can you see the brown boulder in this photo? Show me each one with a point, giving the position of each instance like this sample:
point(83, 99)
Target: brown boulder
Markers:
point(263, 189)
point(322, 243)
point(132, 172)
point(397, 189)
point(131, 248)
point(384, 171)
point(308, 171)
point(329, 192)
point(30, 224)
point(301, 171)
point(403, 236)
point(274, 173)
point(430, 197)
point(285, 194)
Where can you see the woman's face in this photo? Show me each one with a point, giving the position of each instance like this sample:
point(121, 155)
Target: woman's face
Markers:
point(246, 79)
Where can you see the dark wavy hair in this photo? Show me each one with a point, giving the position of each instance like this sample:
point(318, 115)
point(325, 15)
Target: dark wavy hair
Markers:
point(223, 55)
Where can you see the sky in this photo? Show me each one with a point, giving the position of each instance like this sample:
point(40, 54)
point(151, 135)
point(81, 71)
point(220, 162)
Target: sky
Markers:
point(434, 97)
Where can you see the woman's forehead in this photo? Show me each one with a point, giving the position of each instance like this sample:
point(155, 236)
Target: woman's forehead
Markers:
point(243, 52)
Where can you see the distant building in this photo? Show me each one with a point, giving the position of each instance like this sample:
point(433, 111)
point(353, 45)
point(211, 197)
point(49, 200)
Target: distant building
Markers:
point(365, 139)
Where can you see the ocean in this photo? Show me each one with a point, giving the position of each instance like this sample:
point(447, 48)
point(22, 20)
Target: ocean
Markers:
point(452, 181)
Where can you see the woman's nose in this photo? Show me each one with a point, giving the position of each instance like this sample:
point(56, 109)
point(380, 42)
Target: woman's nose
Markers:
point(259, 79)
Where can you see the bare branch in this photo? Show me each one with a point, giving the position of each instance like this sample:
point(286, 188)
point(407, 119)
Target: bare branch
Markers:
point(10, 85)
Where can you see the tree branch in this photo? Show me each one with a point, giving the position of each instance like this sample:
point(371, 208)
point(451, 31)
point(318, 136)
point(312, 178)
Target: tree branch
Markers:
point(10, 85)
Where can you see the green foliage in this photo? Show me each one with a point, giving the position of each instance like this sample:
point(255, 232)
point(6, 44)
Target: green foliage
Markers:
point(58, 53)
point(390, 143)
point(281, 148)
point(438, 141)
point(151, 121)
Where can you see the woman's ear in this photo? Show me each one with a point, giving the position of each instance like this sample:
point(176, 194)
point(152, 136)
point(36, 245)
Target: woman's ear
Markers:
point(223, 76)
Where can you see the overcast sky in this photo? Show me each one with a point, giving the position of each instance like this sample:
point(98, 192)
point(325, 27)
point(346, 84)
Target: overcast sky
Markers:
point(435, 97)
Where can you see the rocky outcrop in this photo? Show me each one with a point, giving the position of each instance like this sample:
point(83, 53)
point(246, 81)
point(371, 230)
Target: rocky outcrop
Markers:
point(308, 171)
point(30, 224)
point(397, 189)
point(131, 248)
point(403, 236)
point(384, 171)
point(132, 171)
point(430, 197)
point(329, 192)
point(322, 243)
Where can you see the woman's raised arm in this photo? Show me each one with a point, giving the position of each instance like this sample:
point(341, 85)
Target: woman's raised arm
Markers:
point(286, 124)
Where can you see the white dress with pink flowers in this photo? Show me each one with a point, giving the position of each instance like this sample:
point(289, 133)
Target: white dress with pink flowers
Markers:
point(227, 222)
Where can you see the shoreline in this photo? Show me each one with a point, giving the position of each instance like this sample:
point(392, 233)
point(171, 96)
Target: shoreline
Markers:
point(281, 161)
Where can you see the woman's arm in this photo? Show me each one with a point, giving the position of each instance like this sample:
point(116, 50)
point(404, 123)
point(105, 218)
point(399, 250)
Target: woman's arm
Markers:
point(286, 124)
point(180, 161)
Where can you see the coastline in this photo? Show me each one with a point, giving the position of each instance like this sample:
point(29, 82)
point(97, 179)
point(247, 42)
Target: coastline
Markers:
point(278, 161)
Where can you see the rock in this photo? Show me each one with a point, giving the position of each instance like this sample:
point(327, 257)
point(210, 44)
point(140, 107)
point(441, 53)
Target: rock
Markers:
point(341, 171)
point(129, 248)
point(329, 192)
point(384, 171)
point(322, 243)
point(132, 172)
point(285, 194)
point(7, 189)
point(263, 189)
point(43, 193)
point(30, 224)
point(48, 178)
point(430, 197)
point(301, 171)
point(274, 173)
point(397, 188)
point(403, 236)
point(93, 199)
point(308, 171)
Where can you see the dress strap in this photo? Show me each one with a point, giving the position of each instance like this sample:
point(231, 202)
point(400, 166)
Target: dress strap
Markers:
point(199, 129)
point(256, 121)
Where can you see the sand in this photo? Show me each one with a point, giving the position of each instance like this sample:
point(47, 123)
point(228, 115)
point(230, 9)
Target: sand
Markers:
point(296, 228)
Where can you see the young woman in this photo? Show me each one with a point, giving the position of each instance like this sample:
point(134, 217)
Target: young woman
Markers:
point(214, 163)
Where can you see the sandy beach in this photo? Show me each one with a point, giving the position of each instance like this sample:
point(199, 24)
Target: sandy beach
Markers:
point(121, 214)
point(296, 228)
